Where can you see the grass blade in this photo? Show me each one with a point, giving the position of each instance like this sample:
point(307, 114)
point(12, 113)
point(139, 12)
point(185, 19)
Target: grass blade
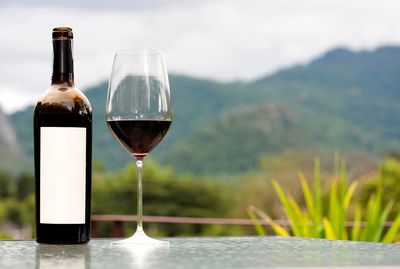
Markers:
point(343, 179)
point(329, 233)
point(349, 194)
point(381, 223)
point(317, 191)
point(355, 232)
point(391, 234)
point(279, 230)
point(307, 193)
point(288, 209)
point(333, 208)
point(302, 219)
point(257, 225)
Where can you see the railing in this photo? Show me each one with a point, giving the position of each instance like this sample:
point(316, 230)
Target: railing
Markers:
point(118, 220)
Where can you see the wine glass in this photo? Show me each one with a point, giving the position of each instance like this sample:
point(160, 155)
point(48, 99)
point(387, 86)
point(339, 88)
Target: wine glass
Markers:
point(139, 113)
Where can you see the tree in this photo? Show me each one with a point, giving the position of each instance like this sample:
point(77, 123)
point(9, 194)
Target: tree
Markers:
point(164, 194)
point(25, 185)
point(5, 185)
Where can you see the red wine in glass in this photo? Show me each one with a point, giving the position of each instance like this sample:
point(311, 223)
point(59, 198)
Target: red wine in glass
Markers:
point(139, 137)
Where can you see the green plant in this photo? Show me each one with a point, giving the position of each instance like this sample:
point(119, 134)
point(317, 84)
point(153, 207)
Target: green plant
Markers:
point(327, 218)
point(389, 179)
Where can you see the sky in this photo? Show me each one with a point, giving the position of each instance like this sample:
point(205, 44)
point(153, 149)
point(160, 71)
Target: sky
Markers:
point(223, 40)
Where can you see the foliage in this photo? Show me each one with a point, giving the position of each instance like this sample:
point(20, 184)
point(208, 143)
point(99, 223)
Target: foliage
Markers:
point(389, 182)
point(5, 185)
point(4, 236)
point(327, 218)
point(165, 194)
point(25, 185)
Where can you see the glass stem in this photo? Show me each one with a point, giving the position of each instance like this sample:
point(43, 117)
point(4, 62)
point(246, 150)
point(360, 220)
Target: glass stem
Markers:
point(139, 164)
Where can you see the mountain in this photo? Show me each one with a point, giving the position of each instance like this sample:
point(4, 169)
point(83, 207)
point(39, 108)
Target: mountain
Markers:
point(10, 150)
point(235, 141)
point(210, 99)
point(343, 100)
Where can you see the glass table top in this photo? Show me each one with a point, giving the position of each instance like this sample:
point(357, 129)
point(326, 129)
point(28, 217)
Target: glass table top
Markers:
point(216, 252)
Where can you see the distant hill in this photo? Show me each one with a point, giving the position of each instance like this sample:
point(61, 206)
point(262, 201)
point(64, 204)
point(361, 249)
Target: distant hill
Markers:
point(235, 141)
point(343, 100)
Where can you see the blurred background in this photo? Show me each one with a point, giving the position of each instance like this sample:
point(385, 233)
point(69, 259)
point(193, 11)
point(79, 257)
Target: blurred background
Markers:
point(261, 91)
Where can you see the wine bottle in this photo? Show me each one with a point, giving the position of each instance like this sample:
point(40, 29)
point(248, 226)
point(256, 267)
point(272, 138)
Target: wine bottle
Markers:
point(63, 152)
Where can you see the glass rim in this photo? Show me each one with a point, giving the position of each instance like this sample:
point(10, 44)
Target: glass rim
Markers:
point(139, 51)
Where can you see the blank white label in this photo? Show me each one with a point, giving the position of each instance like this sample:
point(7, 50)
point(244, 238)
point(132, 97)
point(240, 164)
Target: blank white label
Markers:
point(62, 175)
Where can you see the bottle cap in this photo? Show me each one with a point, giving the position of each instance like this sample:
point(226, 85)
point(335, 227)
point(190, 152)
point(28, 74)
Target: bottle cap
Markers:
point(62, 33)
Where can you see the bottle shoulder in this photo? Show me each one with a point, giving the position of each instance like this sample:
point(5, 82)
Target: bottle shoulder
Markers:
point(64, 99)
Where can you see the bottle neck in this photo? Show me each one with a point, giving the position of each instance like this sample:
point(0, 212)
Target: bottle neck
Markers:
point(63, 66)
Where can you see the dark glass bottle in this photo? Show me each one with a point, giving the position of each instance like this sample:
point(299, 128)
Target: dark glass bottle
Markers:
point(63, 153)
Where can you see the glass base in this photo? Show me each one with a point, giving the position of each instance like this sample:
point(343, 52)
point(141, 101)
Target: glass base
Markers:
point(140, 238)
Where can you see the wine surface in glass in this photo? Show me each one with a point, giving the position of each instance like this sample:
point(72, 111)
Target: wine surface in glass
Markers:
point(139, 137)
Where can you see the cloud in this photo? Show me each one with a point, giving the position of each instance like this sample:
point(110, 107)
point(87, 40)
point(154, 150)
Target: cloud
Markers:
point(223, 40)
point(101, 4)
